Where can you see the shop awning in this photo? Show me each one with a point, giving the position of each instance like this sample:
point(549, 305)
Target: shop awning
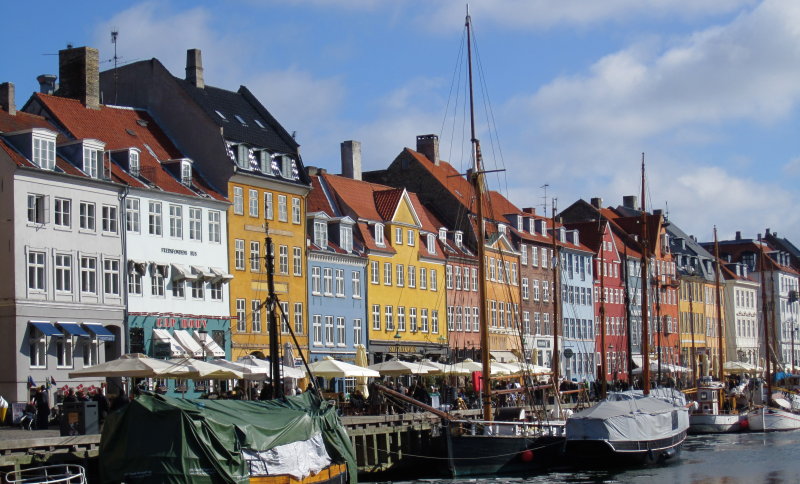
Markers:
point(203, 272)
point(191, 346)
point(74, 329)
point(211, 346)
point(137, 265)
point(504, 356)
point(102, 333)
point(47, 328)
point(220, 275)
point(180, 272)
point(161, 335)
point(637, 361)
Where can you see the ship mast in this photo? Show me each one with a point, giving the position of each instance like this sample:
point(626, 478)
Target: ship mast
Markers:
point(601, 270)
point(720, 326)
point(272, 303)
point(476, 178)
point(555, 263)
point(645, 346)
point(764, 317)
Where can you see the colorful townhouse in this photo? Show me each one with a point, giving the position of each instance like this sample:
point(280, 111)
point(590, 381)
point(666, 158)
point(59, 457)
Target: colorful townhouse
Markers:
point(252, 160)
point(405, 284)
point(742, 335)
point(62, 290)
point(174, 234)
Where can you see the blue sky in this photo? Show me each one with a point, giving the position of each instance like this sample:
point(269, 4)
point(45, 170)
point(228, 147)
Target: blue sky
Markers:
point(708, 89)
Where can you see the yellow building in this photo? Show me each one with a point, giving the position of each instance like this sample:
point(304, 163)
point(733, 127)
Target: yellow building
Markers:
point(406, 295)
point(692, 310)
point(503, 293)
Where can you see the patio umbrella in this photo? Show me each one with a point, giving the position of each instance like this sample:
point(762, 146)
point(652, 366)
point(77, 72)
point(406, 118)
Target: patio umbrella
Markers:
point(433, 367)
point(738, 366)
point(134, 365)
point(202, 370)
point(362, 361)
point(251, 361)
point(251, 372)
point(498, 368)
point(397, 367)
point(330, 368)
point(465, 367)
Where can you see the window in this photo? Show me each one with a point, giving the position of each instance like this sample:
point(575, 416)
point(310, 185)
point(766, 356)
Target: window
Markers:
point(401, 318)
point(457, 277)
point(63, 212)
point(433, 279)
point(64, 352)
point(63, 268)
point(412, 276)
point(186, 173)
point(195, 224)
point(298, 318)
point(252, 202)
point(135, 282)
point(459, 326)
point(36, 271)
point(157, 280)
point(525, 292)
point(339, 283)
point(535, 289)
point(317, 329)
point(315, 280)
point(89, 275)
point(284, 318)
point(86, 216)
point(178, 289)
point(400, 275)
point(475, 319)
point(320, 234)
point(91, 161)
point(255, 256)
point(341, 338)
point(90, 352)
point(44, 153)
point(238, 254)
point(412, 319)
point(474, 279)
point(132, 214)
point(133, 162)
point(346, 238)
point(431, 243)
point(356, 284)
point(241, 319)
point(424, 320)
point(423, 278)
point(329, 330)
point(297, 261)
point(214, 227)
point(197, 289)
point(410, 237)
point(379, 234)
point(434, 321)
point(154, 218)
point(109, 219)
point(545, 291)
point(295, 211)
point(37, 345)
point(449, 277)
point(357, 334)
point(36, 208)
point(398, 236)
point(238, 200)
point(269, 212)
point(388, 312)
point(373, 270)
point(283, 259)
point(534, 256)
point(376, 317)
point(327, 281)
point(111, 277)
point(176, 221)
point(255, 308)
point(387, 273)
point(523, 252)
point(282, 213)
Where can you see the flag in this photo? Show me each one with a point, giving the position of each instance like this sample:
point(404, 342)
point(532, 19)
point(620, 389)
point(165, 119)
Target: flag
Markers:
point(53, 381)
point(31, 383)
point(47, 383)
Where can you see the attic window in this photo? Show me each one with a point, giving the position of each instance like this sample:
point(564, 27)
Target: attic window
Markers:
point(320, 234)
point(141, 122)
point(379, 234)
point(221, 115)
point(260, 124)
point(44, 151)
point(431, 243)
point(443, 233)
point(93, 158)
point(130, 131)
point(133, 162)
point(459, 238)
point(346, 237)
point(186, 172)
point(240, 119)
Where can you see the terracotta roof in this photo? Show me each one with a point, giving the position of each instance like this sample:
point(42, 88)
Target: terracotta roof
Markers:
point(386, 202)
point(22, 121)
point(316, 201)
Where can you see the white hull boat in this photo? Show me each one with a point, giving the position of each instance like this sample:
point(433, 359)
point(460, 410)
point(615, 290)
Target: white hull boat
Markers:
point(768, 419)
point(717, 423)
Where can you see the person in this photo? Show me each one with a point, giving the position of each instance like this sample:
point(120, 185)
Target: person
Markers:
point(42, 403)
point(70, 397)
point(102, 406)
point(357, 402)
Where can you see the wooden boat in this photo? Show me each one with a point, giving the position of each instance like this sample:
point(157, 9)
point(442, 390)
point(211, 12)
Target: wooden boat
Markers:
point(772, 418)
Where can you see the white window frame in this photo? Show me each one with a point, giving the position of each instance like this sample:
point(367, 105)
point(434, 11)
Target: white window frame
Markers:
point(37, 271)
point(297, 261)
point(88, 273)
point(215, 226)
point(238, 200)
point(109, 219)
point(255, 256)
point(283, 215)
point(356, 284)
point(63, 273)
point(111, 278)
point(252, 202)
point(296, 211)
point(241, 315)
point(269, 209)
point(196, 224)
point(62, 213)
point(132, 215)
point(238, 254)
point(154, 223)
point(87, 216)
point(175, 221)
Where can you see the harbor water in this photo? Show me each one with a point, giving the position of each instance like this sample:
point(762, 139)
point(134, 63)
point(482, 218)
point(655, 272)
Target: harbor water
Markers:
point(746, 458)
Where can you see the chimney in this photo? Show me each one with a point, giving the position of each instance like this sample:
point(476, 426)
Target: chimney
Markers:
point(766, 233)
point(738, 235)
point(630, 201)
point(47, 83)
point(7, 98)
point(597, 202)
point(194, 68)
point(428, 145)
point(351, 159)
point(529, 210)
point(79, 71)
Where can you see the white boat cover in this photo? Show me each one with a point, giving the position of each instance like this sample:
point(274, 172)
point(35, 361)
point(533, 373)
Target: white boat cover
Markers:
point(669, 395)
point(633, 419)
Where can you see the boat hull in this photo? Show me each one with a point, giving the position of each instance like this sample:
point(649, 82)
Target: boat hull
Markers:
point(767, 419)
point(622, 453)
point(502, 455)
point(333, 474)
point(717, 423)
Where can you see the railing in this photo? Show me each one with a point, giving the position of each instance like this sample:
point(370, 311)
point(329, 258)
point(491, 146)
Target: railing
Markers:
point(500, 428)
point(64, 473)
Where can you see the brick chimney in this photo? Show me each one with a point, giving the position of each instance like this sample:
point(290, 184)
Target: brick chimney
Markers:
point(194, 68)
point(79, 71)
point(428, 145)
point(597, 202)
point(738, 235)
point(47, 83)
point(7, 98)
point(630, 201)
point(351, 159)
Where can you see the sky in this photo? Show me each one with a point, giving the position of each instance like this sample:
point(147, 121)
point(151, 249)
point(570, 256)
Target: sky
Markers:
point(569, 93)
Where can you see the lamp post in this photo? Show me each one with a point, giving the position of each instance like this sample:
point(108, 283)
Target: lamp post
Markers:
point(397, 337)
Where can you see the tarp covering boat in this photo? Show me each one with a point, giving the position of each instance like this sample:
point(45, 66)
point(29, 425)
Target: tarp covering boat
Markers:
point(161, 439)
point(635, 419)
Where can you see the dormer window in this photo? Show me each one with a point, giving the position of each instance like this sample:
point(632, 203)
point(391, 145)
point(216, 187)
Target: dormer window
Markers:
point(501, 228)
point(442, 233)
point(320, 233)
point(379, 234)
point(93, 158)
point(265, 162)
point(133, 162)
point(431, 243)
point(519, 222)
point(44, 149)
point(459, 238)
point(240, 119)
point(243, 156)
point(346, 237)
point(186, 172)
point(285, 165)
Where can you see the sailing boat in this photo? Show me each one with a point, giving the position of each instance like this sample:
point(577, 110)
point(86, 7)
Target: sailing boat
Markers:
point(487, 446)
point(707, 418)
point(631, 427)
point(768, 418)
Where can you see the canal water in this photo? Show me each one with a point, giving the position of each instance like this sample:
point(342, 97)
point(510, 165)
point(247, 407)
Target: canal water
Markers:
point(746, 458)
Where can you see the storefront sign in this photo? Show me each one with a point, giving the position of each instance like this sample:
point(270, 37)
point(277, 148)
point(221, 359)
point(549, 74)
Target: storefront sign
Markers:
point(542, 343)
point(180, 323)
point(402, 349)
point(168, 250)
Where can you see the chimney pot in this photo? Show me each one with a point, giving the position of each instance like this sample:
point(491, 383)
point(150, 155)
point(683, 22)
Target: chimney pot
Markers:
point(7, 98)
point(529, 210)
point(79, 71)
point(597, 202)
point(194, 68)
point(630, 201)
point(428, 145)
point(738, 235)
point(47, 83)
point(351, 159)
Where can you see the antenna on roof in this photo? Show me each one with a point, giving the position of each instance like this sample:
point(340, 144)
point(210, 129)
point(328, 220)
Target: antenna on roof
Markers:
point(114, 34)
point(666, 210)
point(545, 197)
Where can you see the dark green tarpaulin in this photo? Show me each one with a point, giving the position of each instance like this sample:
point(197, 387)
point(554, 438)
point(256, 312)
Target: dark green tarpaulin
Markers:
point(162, 439)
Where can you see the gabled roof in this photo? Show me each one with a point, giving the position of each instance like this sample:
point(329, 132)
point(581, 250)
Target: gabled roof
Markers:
point(386, 202)
point(21, 121)
point(121, 129)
